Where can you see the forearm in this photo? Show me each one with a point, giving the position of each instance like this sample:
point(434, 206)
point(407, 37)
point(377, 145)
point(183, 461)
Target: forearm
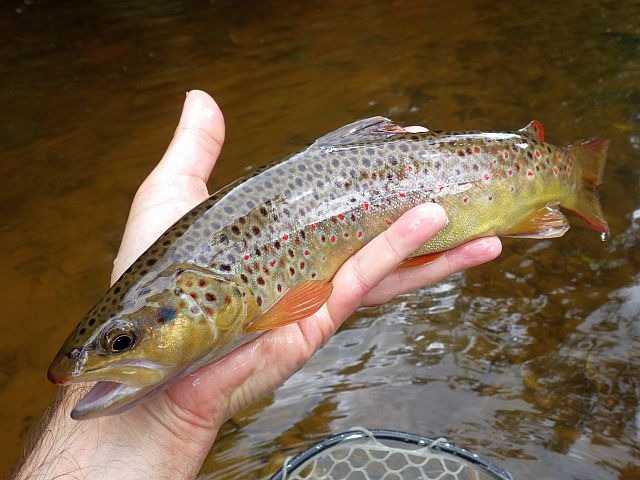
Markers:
point(121, 447)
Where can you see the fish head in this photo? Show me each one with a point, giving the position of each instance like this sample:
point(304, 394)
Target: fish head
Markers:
point(157, 332)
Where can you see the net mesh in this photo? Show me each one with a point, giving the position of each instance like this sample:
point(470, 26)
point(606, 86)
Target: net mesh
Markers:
point(365, 457)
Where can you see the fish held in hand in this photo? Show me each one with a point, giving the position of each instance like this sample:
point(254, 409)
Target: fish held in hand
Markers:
point(261, 252)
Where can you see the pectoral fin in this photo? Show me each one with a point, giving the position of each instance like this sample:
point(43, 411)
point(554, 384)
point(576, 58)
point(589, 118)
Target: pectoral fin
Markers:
point(548, 222)
point(299, 302)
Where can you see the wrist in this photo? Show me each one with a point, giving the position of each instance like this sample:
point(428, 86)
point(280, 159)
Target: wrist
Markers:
point(145, 442)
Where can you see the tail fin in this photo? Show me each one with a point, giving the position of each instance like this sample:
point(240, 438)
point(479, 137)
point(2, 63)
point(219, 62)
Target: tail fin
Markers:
point(591, 155)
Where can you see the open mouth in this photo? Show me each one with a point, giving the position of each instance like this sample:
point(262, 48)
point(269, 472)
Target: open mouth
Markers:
point(110, 398)
point(118, 389)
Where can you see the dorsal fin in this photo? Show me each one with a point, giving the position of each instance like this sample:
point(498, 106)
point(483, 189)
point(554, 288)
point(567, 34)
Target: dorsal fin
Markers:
point(360, 131)
point(535, 129)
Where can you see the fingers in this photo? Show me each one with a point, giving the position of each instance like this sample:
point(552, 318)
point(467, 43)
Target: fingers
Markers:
point(368, 267)
point(178, 183)
point(465, 256)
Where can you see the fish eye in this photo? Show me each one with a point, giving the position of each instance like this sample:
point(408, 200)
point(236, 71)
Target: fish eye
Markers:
point(119, 338)
point(122, 342)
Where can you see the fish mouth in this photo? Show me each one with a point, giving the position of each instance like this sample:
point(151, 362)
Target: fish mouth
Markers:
point(118, 388)
point(110, 398)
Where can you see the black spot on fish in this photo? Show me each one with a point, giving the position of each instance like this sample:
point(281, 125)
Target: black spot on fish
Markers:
point(235, 229)
point(256, 230)
point(224, 267)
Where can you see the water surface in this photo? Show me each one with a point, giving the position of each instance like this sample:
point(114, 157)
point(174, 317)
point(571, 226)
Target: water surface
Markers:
point(531, 361)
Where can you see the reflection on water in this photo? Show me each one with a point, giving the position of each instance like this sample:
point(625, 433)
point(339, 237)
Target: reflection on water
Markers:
point(531, 361)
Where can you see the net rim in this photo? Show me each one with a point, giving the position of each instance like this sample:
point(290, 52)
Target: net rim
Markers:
point(438, 444)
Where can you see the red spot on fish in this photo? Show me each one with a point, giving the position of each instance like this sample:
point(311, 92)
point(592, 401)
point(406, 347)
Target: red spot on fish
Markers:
point(465, 199)
point(313, 227)
point(509, 172)
point(401, 195)
point(389, 222)
point(246, 257)
point(529, 173)
point(346, 234)
point(272, 263)
point(365, 205)
point(359, 234)
point(440, 188)
point(353, 217)
point(323, 239)
point(341, 216)
point(476, 150)
point(410, 168)
point(301, 265)
point(485, 176)
point(285, 237)
point(506, 154)
point(307, 252)
point(538, 154)
point(332, 239)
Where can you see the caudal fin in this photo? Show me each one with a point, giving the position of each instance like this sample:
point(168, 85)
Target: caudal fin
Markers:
point(591, 155)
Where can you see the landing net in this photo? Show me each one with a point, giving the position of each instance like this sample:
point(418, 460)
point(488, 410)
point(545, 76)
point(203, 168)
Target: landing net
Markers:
point(362, 454)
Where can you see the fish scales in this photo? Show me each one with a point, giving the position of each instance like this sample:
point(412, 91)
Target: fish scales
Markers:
point(228, 261)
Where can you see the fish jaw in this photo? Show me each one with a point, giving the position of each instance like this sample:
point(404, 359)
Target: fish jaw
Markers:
point(117, 387)
point(110, 398)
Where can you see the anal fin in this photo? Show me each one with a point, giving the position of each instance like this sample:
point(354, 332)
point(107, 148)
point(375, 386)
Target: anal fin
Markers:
point(548, 222)
point(300, 301)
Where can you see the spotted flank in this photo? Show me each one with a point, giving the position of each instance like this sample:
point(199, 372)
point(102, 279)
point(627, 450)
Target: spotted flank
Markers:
point(261, 253)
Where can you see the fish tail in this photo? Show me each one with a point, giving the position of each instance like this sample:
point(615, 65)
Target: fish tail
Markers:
point(591, 156)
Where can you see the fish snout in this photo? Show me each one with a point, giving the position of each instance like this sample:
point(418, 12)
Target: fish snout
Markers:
point(63, 364)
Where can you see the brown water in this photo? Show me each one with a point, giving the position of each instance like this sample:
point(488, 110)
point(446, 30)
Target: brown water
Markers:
point(532, 361)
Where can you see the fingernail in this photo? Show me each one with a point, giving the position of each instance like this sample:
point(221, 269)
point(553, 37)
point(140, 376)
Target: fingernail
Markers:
point(483, 247)
point(432, 214)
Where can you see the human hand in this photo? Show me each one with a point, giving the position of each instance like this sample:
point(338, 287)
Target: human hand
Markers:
point(173, 431)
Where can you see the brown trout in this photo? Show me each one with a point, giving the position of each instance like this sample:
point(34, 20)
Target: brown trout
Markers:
point(261, 252)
